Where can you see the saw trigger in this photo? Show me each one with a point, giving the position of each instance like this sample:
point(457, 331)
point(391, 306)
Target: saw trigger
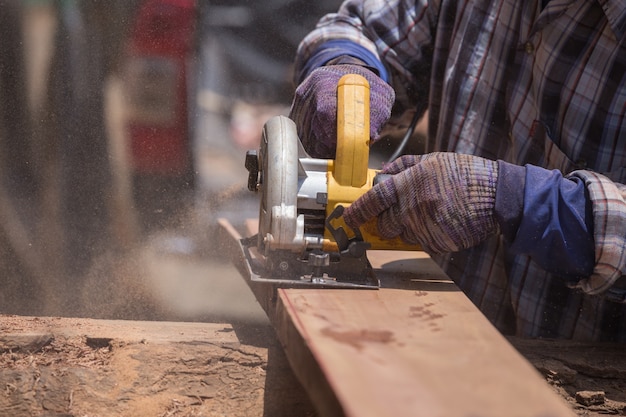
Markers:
point(354, 246)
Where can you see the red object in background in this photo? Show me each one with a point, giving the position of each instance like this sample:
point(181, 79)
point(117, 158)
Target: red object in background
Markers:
point(159, 52)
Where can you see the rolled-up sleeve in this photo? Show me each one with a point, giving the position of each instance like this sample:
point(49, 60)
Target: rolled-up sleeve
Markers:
point(608, 201)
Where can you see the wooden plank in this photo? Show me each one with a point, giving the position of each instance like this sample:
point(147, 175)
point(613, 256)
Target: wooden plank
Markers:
point(416, 347)
point(130, 331)
point(410, 353)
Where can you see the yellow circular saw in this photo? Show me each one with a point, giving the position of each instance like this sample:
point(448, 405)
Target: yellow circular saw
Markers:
point(302, 238)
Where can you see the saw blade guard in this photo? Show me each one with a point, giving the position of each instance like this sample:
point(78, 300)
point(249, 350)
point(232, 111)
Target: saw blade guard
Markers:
point(280, 226)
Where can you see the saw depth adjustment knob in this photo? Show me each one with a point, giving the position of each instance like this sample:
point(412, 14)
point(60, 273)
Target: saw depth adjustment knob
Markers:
point(318, 260)
point(252, 165)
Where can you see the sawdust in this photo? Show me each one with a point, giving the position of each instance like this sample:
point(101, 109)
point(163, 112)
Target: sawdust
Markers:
point(73, 351)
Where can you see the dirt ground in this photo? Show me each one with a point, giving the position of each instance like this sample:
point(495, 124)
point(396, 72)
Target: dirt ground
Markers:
point(97, 368)
point(591, 377)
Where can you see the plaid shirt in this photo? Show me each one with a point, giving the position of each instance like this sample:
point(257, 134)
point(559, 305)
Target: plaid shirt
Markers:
point(509, 80)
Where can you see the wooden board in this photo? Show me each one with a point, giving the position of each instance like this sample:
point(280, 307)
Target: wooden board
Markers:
point(416, 347)
point(131, 331)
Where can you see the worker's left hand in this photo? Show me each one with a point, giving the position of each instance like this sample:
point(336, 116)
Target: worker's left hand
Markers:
point(314, 107)
point(442, 201)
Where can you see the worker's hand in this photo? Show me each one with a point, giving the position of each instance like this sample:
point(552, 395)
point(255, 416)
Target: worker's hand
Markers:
point(442, 201)
point(314, 107)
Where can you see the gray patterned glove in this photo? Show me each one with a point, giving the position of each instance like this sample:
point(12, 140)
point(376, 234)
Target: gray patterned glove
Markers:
point(314, 107)
point(442, 201)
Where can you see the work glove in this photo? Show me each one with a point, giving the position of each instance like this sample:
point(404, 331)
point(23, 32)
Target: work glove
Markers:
point(441, 201)
point(314, 107)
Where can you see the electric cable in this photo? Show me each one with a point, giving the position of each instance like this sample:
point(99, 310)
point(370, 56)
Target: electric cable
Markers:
point(405, 139)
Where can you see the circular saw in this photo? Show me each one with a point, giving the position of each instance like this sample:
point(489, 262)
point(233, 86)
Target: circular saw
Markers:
point(302, 239)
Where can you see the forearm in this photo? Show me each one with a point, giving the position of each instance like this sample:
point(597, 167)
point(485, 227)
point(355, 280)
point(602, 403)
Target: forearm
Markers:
point(347, 25)
point(548, 217)
point(573, 226)
point(339, 51)
point(397, 33)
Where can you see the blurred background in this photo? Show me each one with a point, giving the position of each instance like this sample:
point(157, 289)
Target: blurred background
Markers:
point(123, 131)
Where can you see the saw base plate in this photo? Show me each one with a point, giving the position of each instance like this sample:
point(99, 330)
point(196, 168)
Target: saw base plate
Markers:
point(347, 272)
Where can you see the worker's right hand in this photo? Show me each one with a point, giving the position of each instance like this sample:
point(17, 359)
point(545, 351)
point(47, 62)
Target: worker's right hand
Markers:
point(442, 201)
point(314, 107)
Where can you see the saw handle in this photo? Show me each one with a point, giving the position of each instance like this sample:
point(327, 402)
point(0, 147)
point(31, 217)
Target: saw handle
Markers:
point(353, 131)
point(349, 174)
